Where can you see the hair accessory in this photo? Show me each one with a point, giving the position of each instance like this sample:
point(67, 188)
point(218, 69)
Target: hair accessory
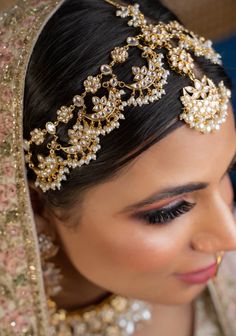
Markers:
point(204, 103)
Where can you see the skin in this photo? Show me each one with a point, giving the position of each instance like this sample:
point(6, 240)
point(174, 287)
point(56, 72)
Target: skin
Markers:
point(109, 250)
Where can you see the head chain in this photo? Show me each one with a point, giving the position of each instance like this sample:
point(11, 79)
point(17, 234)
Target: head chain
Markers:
point(204, 103)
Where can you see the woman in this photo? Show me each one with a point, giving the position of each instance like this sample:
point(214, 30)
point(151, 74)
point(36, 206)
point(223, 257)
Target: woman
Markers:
point(130, 217)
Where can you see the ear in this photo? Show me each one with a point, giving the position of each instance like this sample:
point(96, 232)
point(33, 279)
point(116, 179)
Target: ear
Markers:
point(43, 220)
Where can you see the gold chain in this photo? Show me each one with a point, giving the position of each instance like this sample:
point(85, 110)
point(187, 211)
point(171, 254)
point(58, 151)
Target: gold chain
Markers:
point(113, 3)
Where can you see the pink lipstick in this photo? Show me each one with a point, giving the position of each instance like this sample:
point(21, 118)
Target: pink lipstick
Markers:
point(200, 276)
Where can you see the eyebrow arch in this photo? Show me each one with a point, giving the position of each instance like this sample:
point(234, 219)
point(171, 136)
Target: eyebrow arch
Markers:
point(167, 193)
point(173, 191)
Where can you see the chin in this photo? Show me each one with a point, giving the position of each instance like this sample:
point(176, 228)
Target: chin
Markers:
point(185, 295)
point(188, 294)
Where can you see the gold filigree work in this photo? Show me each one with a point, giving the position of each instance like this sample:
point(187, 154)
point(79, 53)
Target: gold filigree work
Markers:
point(204, 104)
point(115, 316)
point(23, 303)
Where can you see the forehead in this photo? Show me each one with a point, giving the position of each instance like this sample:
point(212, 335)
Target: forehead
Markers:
point(188, 153)
point(184, 156)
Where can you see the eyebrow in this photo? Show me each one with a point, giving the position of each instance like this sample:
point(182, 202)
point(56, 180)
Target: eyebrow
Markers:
point(173, 191)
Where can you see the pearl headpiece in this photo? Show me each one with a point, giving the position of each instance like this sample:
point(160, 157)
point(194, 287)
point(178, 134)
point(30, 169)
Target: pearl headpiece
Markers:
point(204, 103)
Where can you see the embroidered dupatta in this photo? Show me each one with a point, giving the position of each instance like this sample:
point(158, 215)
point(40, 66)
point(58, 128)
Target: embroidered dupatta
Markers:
point(23, 308)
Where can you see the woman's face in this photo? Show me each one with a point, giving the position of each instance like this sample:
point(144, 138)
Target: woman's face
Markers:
point(168, 213)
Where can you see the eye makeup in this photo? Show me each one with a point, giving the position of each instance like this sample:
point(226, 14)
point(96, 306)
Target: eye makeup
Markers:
point(165, 214)
point(174, 210)
point(168, 213)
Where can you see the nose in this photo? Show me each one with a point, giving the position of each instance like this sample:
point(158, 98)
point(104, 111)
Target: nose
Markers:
point(216, 228)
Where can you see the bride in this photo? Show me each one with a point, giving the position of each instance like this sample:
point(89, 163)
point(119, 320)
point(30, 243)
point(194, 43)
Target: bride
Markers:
point(117, 139)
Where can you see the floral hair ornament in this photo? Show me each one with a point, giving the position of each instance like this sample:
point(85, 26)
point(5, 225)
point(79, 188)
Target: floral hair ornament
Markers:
point(204, 103)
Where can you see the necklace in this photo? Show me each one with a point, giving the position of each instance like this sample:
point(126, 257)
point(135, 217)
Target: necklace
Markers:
point(115, 316)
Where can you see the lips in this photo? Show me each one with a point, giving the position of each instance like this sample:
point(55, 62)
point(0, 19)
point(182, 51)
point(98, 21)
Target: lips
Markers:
point(199, 277)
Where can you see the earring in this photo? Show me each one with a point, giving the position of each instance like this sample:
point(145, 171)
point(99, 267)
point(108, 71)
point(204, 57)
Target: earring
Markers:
point(52, 275)
point(219, 258)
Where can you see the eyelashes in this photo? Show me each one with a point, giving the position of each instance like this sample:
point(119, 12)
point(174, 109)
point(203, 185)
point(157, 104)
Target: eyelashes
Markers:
point(166, 215)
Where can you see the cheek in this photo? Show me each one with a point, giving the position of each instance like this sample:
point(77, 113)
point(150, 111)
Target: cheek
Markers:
point(130, 246)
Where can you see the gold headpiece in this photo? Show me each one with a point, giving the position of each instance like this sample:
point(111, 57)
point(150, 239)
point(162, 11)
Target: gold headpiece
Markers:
point(204, 103)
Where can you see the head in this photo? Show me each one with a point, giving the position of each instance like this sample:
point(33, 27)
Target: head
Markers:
point(157, 202)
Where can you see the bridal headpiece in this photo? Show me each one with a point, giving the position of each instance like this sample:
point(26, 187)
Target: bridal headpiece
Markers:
point(23, 308)
point(204, 103)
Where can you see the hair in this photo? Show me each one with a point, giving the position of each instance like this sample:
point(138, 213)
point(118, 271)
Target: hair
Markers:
point(75, 42)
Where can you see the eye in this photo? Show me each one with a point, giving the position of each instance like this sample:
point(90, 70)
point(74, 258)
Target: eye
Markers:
point(166, 214)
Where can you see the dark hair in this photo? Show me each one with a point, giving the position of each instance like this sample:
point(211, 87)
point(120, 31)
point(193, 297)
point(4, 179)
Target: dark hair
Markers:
point(76, 41)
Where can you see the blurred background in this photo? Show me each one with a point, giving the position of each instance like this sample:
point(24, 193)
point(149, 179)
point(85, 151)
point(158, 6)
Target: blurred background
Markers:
point(214, 19)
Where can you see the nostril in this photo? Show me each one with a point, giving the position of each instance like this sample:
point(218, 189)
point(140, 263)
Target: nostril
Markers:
point(205, 242)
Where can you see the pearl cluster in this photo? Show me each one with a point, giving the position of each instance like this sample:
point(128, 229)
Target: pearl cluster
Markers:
point(116, 317)
point(204, 103)
point(92, 84)
point(65, 114)
point(37, 136)
point(119, 55)
point(181, 60)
